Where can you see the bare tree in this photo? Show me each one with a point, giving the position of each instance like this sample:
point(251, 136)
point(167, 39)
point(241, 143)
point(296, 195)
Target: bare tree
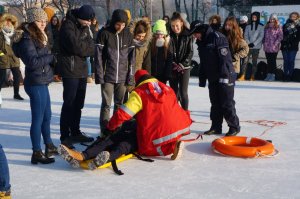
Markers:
point(178, 5)
point(163, 7)
point(186, 10)
point(144, 4)
point(22, 5)
point(64, 5)
point(204, 8)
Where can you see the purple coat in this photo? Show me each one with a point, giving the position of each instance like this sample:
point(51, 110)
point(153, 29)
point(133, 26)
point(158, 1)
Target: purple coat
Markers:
point(272, 39)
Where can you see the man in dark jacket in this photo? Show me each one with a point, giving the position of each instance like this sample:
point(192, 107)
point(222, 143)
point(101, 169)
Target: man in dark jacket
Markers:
point(216, 66)
point(114, 63)
point(76, 45)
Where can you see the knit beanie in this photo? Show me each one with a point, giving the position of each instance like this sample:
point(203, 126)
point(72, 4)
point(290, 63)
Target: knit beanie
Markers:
point(36, 14)
point(86, 12)
point(160, 27)
point(273, 16)
point(119, 15)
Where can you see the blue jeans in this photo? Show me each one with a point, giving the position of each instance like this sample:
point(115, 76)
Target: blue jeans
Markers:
point(4, 172)
point(40, 115)
point(289, 62)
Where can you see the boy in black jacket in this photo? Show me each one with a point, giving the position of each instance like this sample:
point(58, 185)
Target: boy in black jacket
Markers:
point(114, 63)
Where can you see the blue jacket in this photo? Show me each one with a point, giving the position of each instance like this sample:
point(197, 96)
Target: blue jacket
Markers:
point(35, 57)
point(216, 61)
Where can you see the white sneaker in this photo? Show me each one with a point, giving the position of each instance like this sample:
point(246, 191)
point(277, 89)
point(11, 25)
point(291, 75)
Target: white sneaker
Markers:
point(272, 77)
point(268, 77)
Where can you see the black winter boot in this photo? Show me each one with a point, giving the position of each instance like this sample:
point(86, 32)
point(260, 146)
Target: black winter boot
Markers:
point(213, 131)
point(39, 157)
point(50, 150)
point(18, 97)
point(232, 131)
point(79, 137)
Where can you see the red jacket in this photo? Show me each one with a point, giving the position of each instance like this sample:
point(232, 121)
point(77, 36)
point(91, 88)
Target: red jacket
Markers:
point(160, 119)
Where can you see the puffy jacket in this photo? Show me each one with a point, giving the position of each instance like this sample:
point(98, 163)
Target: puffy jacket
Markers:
point(254, 32)
point(142, 49)
point(272, 39)
point(76, 45)
point(181, 48)
point(291, 35)
point(7, 57)
point(242, 52)
point(35, 57)
point(149, 101)
point(216, 61)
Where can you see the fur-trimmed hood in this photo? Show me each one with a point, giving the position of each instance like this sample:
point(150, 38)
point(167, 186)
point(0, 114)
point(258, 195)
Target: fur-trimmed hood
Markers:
point(10, 17)
point(148, 36)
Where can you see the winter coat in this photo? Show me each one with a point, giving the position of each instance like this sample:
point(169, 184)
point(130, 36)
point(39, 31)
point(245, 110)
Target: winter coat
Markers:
point(242, 52)
point(142, 49)
point(76, 45)
point(181, 48)
point(7, 56)
point(291, 36)
point(254, 32)
point(114, 56)
point(161, 65)
point(35, 57)
point(216, 60)
point(53, 38)
point(153, 133)
point(272, 39)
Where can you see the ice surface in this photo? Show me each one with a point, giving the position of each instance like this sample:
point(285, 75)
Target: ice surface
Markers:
point(200, 173)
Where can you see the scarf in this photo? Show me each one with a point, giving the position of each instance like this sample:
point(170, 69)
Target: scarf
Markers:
point(7, 32)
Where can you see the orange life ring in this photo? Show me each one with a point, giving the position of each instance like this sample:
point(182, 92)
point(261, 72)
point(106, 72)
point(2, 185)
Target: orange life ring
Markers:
point(245, 147)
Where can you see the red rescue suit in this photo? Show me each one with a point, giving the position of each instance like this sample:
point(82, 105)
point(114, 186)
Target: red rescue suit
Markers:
point(160, 119)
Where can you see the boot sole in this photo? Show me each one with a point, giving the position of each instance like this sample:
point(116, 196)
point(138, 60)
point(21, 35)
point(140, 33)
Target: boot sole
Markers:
point(67, 157)
point(99, 160)
point(178, 150)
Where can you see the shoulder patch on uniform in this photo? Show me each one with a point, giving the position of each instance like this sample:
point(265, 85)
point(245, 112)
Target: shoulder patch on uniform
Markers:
point(224, 51)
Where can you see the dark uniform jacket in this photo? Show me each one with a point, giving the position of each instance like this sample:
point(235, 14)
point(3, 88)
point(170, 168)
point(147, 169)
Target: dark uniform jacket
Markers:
point(76, 45)
point(216, 62)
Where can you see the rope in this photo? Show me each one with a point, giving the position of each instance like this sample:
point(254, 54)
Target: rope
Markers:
point(259, 154)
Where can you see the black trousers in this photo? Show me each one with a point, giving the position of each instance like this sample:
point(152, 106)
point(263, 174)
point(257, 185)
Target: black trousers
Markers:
point(17, 78)
point(122, 142)
point(222, 106)
point(73, 96)
point(271, 60)
point(179, 83)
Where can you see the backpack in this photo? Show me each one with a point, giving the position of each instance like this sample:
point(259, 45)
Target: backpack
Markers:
point(296, 75)
point(279, 74)
point(262, 68)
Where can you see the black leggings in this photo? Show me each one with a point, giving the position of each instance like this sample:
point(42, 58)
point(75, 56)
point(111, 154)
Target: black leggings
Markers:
point(271, 60)
point(122, 142)
point(17, 78)
point(179, 83)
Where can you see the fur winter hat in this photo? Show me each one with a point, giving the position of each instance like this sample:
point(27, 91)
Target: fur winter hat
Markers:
point(36, 14)
point(160, 27)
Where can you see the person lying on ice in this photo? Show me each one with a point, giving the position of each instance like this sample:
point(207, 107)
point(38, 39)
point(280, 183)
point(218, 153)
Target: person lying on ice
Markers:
point(161, 122)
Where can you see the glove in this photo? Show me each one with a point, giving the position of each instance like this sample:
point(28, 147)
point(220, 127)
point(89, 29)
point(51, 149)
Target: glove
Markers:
point(251, 45)
point(129, 88)
point(177, 67)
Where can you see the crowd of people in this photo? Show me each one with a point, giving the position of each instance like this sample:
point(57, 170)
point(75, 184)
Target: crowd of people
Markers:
point(133, 60)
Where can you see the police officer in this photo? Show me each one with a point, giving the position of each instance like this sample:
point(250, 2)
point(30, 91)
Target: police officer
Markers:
point(216, 66)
